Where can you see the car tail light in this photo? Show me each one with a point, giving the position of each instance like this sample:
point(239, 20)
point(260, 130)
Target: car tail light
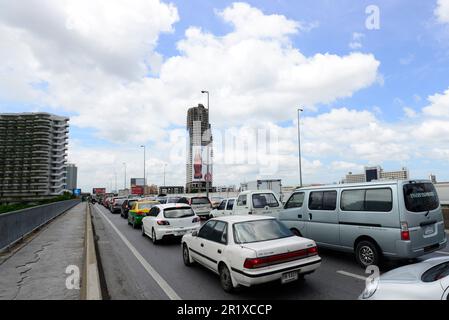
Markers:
point(253, 263)
point(196, 219)
point(405, 233)
point(140, 212)
point(312, 251)
point(163, 222)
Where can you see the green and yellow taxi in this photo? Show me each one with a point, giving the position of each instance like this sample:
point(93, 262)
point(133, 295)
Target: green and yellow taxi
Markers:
point(139, 210)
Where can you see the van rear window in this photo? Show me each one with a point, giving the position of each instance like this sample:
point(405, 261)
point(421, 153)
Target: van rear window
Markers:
point(420, 197)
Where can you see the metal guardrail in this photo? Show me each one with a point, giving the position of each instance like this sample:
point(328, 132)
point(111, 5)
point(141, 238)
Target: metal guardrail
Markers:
point(17, 224)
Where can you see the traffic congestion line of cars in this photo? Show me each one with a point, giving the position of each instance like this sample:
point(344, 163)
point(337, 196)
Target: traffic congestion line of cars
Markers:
point(255, 238)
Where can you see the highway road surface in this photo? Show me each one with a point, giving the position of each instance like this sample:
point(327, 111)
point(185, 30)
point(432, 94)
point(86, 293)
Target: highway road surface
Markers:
point(134, 268)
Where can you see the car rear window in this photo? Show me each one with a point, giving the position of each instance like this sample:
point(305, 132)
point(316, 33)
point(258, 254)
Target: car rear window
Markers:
point(178, 212)
point(420, 197)
point(146, 205)
point(202, 200)
point(261, 200)
point(260, 230)
point(436, 273)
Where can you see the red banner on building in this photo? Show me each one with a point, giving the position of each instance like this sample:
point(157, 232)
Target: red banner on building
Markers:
point(99, 190)
point(138, 190)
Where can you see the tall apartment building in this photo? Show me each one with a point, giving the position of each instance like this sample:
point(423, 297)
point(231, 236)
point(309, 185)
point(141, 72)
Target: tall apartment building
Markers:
point(199, 137)
point(376, 173)
point(72, 176)
point(33, 150)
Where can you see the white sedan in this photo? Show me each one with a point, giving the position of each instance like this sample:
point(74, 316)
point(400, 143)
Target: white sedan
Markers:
point(427, 280)
point(169, 220)
point(249, 250)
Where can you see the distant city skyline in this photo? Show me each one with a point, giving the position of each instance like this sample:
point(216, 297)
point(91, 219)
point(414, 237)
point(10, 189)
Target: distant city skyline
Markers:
point(126, 77)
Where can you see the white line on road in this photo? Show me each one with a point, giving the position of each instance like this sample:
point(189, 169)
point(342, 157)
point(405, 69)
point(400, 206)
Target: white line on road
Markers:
point(353, 275)
point(153, 273)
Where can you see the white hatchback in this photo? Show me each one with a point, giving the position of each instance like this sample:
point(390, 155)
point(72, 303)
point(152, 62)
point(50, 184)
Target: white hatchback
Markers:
point(249, 250)
point(169, 220)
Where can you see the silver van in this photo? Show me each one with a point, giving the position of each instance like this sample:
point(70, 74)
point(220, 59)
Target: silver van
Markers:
point(375, 220)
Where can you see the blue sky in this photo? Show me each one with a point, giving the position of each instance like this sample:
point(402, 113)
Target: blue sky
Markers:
point(101, 78)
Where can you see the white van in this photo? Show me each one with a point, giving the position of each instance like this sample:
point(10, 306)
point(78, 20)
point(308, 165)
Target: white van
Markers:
point(392, 219)
point(260, 202)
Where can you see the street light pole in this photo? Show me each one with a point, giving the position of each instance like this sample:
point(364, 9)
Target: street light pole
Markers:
point(144, 165)
point(124, 185)
point(208, 143)
point(299, 150)
point(164, 172)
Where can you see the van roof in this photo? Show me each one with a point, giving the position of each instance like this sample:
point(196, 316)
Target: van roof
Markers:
point(257, 191)
point(363, 184)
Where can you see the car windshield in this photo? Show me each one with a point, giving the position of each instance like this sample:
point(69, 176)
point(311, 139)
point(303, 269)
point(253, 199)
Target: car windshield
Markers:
point(420, 197)
point(261, 200)
point(146, 205)
point(173, 199)
point(202, 200)
point(260, 230)
point(436, 273)
point(182, 212)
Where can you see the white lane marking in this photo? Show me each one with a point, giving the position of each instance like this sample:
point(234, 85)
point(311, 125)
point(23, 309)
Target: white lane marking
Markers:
point(153, 273)
point(442, 252)
point(353, 275)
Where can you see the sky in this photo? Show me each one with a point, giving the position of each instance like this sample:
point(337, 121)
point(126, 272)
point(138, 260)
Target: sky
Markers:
point(371, 77)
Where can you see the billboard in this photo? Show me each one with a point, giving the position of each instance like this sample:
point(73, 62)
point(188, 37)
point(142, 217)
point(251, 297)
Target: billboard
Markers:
point(138, 190)
point(77, 192)
point(137, 182)
point(199, 162)
point(99, 190)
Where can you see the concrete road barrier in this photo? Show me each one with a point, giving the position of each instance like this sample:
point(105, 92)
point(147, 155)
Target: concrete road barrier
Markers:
point(91, 288)
point(15, 225)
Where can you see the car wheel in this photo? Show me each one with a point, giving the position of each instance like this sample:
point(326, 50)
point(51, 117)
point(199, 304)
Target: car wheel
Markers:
point(153, 237)
point(295, 232)
point(186, 255)
point(367, 253)
point(225, 279)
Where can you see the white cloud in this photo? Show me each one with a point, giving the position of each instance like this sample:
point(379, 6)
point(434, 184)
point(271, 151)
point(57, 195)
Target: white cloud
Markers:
point(442, 11)
point(409, 112)
point(439, 105)
point(97, 68)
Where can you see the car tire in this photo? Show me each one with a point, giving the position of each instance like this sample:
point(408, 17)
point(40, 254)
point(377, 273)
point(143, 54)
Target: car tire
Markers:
point(186, 255)
point(295, 232)
point(153, 237)
point(367, 253)
point(225, 279)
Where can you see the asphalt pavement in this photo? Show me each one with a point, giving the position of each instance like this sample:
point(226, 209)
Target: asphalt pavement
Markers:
point(134, 268)
point(46, 266)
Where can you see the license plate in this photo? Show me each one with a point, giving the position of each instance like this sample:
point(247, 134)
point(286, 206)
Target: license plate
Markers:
point(180, 233)
point(428, 230)
point(289, 276)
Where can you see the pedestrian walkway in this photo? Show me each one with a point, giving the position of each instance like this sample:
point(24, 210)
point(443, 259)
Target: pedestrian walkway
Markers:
point(47, 267)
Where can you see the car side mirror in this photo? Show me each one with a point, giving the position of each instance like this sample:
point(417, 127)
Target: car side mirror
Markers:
point(194, 233)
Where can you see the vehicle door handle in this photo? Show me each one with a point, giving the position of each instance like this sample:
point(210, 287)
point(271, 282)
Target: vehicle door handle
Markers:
point(300, 216)
point(310, 216)
point(219, 251)
point(202, 245)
